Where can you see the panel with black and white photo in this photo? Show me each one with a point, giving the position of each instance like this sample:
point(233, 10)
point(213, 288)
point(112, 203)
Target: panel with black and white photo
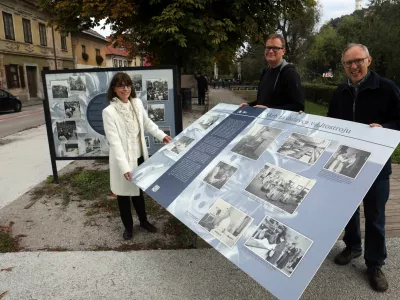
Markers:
point(303, 148)
point(59, 89)
point(157, 89)
point(220, 174)
point(347, 161)
point(256, 141)
point(156, 112)
point(279, 187)
point(225, 222)
point(279, 245)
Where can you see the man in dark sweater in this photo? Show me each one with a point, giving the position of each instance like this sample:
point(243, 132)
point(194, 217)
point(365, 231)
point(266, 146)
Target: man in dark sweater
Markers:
point(280, 85)
point(373, 100)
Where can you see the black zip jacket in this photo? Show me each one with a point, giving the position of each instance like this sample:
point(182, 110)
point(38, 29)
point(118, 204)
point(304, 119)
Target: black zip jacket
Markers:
point(377, 101)
point(287, 94)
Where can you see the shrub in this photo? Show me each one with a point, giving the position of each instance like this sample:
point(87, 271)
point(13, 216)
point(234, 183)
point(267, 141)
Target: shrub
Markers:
point(318, 93)
point(99, 59)
point(85, 56)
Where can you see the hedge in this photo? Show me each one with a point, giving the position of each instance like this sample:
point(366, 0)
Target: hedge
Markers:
point(318, 93)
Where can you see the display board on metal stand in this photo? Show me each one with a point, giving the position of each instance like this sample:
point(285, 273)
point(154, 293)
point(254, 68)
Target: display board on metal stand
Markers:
point(75, 99)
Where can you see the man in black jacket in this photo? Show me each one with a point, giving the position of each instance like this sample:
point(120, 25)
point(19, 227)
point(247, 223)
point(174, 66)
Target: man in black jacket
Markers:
point(369, 99)
point(202, 87)
point(280, 85)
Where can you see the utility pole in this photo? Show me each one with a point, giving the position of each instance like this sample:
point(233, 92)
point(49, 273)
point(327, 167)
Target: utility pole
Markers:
point(54, 48)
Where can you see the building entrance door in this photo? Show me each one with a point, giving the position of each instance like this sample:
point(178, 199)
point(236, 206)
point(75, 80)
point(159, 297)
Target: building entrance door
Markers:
point(31, 74)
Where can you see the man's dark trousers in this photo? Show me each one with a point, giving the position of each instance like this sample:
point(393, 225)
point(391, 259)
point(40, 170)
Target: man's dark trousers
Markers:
point(202, 97)
point(374, 212)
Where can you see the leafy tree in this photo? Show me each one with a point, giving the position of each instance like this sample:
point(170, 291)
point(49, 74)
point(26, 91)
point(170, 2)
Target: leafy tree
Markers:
point(188, 33)
point(297, 28)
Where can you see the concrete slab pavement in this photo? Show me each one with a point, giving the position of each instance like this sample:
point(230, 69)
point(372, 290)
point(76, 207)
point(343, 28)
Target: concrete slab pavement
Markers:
point(170, 275)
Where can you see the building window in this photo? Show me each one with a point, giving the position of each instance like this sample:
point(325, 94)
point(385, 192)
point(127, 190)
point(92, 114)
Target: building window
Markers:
point(83, 49)
point(97, 52)
point(12, 76)
point(42, 33)
point(63, 41)
point(134, 61)
point(125, 63)
point(8, 26)
point(120, 63)
point(26, 24)
point(115, 63)
point(142, 61)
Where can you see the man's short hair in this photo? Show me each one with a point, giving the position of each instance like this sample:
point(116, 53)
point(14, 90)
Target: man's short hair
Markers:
point(351, 45)
point(277, 36)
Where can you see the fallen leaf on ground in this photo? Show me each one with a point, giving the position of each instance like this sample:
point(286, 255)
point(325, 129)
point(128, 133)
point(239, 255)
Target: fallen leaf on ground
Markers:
point(3, 294)
point(7, 269)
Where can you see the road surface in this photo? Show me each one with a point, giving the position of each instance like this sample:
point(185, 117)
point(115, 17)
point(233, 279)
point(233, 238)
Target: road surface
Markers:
point(29, 117)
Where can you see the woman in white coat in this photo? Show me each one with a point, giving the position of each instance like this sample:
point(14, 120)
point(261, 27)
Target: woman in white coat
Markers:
point(125, 121)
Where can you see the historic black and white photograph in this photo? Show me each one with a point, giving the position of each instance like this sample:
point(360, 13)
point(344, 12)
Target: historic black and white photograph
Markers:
point(225, 222)
point(220, 174)
point(72, 109)
point(137, 82)
point(93, 146)
point(71, 150)
point(207, 121)
point(347, 161)
point(59, 89)
point(279, 245)
point(77, 83)
point(181, 144)
point(157, 89)
point(256, 141)
point(167, 131)
point(279, 187)
point(156, 112)
point(147, 139)
point(304, 148)
point(66, 131)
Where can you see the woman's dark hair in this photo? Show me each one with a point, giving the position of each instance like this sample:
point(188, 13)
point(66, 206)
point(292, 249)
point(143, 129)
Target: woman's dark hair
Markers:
point(120, 78)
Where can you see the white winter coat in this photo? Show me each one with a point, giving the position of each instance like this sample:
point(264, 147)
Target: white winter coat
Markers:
point(122, 148)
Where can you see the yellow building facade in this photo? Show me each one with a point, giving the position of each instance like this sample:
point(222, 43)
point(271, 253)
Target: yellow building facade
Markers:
point(89, 49)
point(27, 48)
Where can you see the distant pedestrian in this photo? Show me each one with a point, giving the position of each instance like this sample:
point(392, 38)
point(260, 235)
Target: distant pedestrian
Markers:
point(202, 87)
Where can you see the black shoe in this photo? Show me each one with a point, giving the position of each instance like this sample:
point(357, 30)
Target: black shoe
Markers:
point(146, 225)
point(377, 279)
point(344, 257)
point(127, 235)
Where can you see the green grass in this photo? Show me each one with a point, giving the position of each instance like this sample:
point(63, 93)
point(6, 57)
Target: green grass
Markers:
point(184, 237)
point(7, 242)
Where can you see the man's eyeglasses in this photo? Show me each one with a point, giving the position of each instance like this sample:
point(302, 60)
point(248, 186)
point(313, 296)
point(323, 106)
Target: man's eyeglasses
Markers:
point(121, 86)
point(358, 62)
point(275, 49)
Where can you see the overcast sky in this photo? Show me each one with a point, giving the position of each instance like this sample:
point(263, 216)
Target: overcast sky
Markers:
point(335, 8)
point(330, 9)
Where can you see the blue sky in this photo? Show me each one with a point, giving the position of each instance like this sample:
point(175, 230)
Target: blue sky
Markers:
point(330, 9)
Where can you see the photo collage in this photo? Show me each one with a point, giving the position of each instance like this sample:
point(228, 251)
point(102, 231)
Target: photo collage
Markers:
point(156, 93)
point(275, 243)
point(67, 96)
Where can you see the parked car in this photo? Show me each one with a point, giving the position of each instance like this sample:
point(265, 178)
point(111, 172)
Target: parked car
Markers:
point(9, 102)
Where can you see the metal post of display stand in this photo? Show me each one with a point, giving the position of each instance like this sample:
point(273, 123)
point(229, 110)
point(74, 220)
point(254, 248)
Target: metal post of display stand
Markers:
point(49, 130)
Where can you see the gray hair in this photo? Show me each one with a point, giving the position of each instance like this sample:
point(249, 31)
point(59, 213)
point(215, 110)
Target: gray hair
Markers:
point(351, 45)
